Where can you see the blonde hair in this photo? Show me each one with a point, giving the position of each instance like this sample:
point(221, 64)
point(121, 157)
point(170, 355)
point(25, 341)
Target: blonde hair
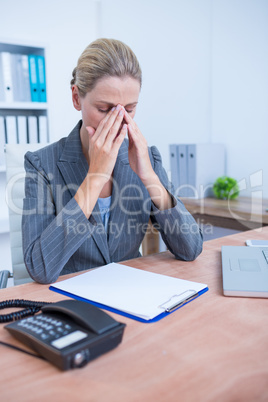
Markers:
point(104, 58)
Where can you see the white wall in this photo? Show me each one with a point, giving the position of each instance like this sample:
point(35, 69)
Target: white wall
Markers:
point(171, 41)
point(205, 66)
point(240, 88)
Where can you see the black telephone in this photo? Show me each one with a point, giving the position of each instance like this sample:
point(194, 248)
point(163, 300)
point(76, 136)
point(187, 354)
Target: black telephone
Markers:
point(69, 333)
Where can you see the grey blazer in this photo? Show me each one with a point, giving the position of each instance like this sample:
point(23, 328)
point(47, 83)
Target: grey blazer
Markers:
point(59, 239)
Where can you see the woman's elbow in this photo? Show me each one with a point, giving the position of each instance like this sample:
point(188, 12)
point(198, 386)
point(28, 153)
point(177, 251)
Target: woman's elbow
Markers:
point(39, 274)
point(191, 249)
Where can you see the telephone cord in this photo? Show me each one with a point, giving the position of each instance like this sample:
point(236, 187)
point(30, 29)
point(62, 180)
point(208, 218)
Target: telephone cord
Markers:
point(30, 308)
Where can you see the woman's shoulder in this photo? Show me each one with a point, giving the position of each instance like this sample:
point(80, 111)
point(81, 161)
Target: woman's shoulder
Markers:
point(47, 154)
point(51, 153)
point(154, 155)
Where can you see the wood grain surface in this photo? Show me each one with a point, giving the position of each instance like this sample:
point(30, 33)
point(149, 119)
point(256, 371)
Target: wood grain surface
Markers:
point(212, 349)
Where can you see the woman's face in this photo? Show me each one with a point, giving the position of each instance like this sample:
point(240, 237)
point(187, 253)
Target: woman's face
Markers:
point(107, 93)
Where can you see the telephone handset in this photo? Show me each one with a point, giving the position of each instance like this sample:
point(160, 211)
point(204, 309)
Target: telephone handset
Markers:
point(69, 333)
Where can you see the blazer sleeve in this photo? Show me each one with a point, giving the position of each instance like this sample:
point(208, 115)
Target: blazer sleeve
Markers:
point(47, 242)
point(177, 227)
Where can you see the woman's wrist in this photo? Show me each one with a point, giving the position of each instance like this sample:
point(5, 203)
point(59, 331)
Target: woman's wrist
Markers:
point(158, 193)
point(88, 193)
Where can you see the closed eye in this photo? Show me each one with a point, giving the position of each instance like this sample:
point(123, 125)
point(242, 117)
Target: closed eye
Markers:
point(107, 110)
point(103, 110)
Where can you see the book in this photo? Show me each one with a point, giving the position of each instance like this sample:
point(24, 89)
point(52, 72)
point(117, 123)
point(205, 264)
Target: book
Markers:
point(22, 92)
point(32, 130)
point(6, 66)
point(41, 78)
point(206, 162)
point(43, 129)
point(179, 166)
point(2, 89)
point(182, 166)
point(11, 130)
point(174, 166)
point(2, 141)
point(22, 129)
point(195, 167)
point(33, 78)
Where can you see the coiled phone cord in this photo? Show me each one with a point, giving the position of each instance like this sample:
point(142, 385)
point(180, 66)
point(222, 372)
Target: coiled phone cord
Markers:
point(32, 307)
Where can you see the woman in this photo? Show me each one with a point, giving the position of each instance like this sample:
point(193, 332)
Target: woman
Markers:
point(89, 196)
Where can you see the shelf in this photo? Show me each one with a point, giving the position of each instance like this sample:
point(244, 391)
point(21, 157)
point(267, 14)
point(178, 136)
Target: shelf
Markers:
point(7, 45)
point(23, 121)
point(24, 106)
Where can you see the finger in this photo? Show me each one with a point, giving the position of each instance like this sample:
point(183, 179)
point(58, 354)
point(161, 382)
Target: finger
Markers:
point(107, 123)
point(129, 119)
point(91, 131)
point(132, 133)
point(120, 138)
point(136, 138)
point(103, 122)
point(116, 127)
point(132, 126)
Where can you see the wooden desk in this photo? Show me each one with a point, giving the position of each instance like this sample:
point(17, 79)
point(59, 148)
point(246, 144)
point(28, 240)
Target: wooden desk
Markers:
point(213, 349)
point(244, 213)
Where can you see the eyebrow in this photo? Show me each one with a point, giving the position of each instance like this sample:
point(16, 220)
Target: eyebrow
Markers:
point(112, 104)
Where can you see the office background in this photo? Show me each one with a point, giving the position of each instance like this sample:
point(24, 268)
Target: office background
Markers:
point(204, 64)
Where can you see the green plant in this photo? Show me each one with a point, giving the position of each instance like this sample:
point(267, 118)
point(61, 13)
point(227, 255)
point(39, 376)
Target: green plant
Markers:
point(226, 188)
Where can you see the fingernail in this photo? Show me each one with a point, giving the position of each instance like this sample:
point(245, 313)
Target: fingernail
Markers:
point(118, 107)
point(113, 109)
point(121, 112)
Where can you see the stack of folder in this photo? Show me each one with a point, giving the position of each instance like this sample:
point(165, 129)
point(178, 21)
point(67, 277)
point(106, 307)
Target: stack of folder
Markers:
point(21, 129)
point(195, 167)
point(22, 78)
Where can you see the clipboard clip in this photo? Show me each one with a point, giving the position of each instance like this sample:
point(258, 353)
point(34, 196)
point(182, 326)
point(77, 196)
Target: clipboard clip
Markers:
point(178, 300)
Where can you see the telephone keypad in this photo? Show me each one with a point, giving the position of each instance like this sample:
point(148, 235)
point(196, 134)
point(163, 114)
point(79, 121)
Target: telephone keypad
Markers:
point(46, 328)
point(69, 333)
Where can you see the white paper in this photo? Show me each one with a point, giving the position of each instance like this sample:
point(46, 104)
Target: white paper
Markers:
point(130, 290)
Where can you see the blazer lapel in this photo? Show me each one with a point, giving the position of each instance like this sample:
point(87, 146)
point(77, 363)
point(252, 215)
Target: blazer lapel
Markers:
point(74, 167)
point(72, 163)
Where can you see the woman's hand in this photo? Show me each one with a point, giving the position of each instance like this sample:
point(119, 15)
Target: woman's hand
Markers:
point(138, 152)
point(140, 163)
point(104, 144)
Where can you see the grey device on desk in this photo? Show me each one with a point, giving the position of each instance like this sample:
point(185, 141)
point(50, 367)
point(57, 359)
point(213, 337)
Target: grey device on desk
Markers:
point(245, 271)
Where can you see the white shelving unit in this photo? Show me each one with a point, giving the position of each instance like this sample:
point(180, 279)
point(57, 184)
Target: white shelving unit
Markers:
point(16, 109)
point(24, 106)
point(27, 109)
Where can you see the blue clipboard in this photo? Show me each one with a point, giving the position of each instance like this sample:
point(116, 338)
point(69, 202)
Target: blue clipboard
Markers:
point(134, 293)
point(133, 317)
